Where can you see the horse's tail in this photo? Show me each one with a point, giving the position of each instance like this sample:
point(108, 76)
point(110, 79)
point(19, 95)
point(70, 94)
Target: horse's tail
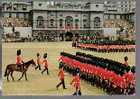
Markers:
point(6, 71)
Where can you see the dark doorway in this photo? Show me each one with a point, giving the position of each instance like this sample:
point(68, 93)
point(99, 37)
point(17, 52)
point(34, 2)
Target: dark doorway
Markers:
point(17, 34)
point(68, 36)
point(76, 36)
point(61, 37)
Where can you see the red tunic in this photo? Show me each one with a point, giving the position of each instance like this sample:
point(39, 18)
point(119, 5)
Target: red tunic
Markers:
point(76, 81)
point(61, 58)
point(61, 74)
point(38, 61)
point(129, 76)
point(126, 63)
point(45, 62)
point(18, 60)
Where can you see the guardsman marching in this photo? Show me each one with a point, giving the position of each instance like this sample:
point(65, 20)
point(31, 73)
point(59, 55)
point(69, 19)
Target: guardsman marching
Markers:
point(45, 63)
point(38, 62)
point(76, 82)
point(61, 75)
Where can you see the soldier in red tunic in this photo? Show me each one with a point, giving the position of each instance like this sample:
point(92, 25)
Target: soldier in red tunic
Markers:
point(45, 63)
point(76, 82)
point(61, 75)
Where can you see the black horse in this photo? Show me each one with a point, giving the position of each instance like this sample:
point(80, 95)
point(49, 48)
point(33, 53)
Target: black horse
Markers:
point(13, 67)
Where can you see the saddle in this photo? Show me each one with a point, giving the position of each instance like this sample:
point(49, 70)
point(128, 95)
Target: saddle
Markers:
point(20, 67)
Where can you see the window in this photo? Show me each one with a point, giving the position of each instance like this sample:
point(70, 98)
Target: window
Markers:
point(76, 15)
point(61, 15)
point(17, 15)
point(97, 22)
point(84, 20)
point(51, 22)
point(69, 22)
point(40, 22)
point(115, 16)
point(51, 14)
point(126, 10)
point(84, 15)
point(61, 23)
point(9, 6)
point(14, 7)
point(40, 4)
point(24, 7)
point(25, 16)
point(76, 23)
point(10, 15)
point(97, 5)
point(85, 23)
point(108, 16)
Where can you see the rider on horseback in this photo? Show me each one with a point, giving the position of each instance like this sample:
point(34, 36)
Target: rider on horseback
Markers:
point(19, 60)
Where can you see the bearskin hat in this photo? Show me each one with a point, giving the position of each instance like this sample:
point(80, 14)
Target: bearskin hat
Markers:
point(133, 69)
point(77, 70)
point(37, 54)
point(45, 55)
point(125, 58)
point(19, 52)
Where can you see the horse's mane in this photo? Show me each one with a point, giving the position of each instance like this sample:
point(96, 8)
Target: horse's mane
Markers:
point(28, 62)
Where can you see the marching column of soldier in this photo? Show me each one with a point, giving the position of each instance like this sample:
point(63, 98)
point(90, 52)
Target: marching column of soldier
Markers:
point(102, 81)
point(105, 45)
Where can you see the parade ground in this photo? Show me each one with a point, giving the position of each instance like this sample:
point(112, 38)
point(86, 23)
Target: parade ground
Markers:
point(39, 84)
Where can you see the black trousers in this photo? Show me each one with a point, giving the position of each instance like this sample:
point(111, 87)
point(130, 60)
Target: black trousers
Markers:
point(46, 69)
point(61, 83)
point(38, 67)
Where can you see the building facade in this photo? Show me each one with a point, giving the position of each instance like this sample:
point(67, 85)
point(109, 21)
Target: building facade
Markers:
point(121, 9)
point(63, 20)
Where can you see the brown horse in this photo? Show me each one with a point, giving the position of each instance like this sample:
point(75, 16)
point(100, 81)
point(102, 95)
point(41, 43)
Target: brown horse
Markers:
point(13, 67)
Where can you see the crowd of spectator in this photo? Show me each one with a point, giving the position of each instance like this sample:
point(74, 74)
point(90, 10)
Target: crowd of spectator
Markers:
point(15, 22)
point(124, 25)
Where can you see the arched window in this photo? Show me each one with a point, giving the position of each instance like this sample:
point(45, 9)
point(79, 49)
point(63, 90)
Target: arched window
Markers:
point(76, 23)
point(85, 23)
point(97, 22)
point(40, 22)
point(69, 22)
point(52, 22)
point(61, 23)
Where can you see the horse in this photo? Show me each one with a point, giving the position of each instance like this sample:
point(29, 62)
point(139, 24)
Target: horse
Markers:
point(13, 67)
